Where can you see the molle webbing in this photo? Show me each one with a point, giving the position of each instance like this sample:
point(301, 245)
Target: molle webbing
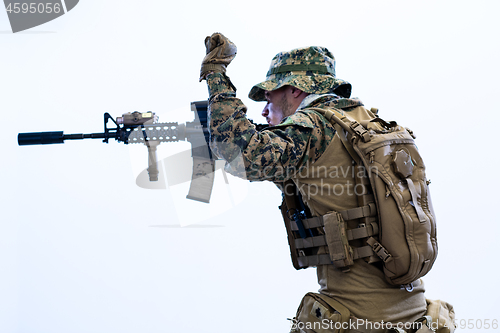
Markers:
point(350, 214)
point(337, 247)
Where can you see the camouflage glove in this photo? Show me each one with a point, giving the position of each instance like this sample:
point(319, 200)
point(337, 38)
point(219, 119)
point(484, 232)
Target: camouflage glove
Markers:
point(220, 52)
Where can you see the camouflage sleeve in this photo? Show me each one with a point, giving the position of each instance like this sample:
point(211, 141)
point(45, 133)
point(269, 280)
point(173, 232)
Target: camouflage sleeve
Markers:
point(275, 154)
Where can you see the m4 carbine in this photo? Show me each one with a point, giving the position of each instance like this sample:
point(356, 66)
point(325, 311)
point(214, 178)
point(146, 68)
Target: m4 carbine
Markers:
point(143, 127)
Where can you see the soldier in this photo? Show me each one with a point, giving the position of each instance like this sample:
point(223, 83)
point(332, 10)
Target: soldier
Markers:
point(301, 149)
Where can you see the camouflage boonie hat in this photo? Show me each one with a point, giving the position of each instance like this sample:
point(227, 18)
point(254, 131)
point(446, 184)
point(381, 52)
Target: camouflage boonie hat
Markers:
point(310, 69)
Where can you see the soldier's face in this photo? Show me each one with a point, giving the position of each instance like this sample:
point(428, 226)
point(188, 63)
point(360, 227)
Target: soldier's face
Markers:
point(278, 105)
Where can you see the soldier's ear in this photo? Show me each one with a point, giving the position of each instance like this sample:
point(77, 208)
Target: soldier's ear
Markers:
point(296, 92)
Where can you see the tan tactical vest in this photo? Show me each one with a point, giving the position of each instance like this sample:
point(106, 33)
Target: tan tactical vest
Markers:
point(368, 199)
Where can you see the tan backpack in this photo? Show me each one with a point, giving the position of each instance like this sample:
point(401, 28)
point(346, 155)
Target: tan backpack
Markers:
point(396, 222)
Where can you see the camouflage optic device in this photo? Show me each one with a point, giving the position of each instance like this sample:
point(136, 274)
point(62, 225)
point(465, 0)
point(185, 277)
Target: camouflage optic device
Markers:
point(143, 127)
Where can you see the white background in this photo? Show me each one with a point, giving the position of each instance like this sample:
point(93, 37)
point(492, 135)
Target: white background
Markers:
point(83, 249)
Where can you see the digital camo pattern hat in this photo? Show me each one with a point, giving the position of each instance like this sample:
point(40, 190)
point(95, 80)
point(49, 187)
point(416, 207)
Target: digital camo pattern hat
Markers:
point(311, 69)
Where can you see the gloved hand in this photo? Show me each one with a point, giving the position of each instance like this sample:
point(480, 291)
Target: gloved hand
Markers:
point(220, 52)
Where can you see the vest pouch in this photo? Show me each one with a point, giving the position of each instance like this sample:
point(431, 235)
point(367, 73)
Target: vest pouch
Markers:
point(339, 249)
point(442, 314)
point(320, 314)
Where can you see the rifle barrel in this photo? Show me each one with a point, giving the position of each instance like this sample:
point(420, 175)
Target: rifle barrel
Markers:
point(84, 136)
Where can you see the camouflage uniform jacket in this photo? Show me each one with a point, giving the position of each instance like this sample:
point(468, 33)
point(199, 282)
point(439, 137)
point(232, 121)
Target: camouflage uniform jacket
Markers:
point(291, 150)
point(275, 154)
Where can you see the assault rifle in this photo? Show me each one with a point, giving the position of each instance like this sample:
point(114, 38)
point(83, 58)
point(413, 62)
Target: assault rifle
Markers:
point(143, 127)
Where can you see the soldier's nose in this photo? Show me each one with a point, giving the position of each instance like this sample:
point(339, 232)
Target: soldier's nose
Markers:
point(265, 112)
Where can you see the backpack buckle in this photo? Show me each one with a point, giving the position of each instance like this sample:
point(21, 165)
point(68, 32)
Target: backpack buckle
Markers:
point(360, 131)
point(379, 250)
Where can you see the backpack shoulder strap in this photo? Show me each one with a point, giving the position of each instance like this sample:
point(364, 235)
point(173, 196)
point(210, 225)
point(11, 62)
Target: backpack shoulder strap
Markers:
point(329, 114)
point(350, 125)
